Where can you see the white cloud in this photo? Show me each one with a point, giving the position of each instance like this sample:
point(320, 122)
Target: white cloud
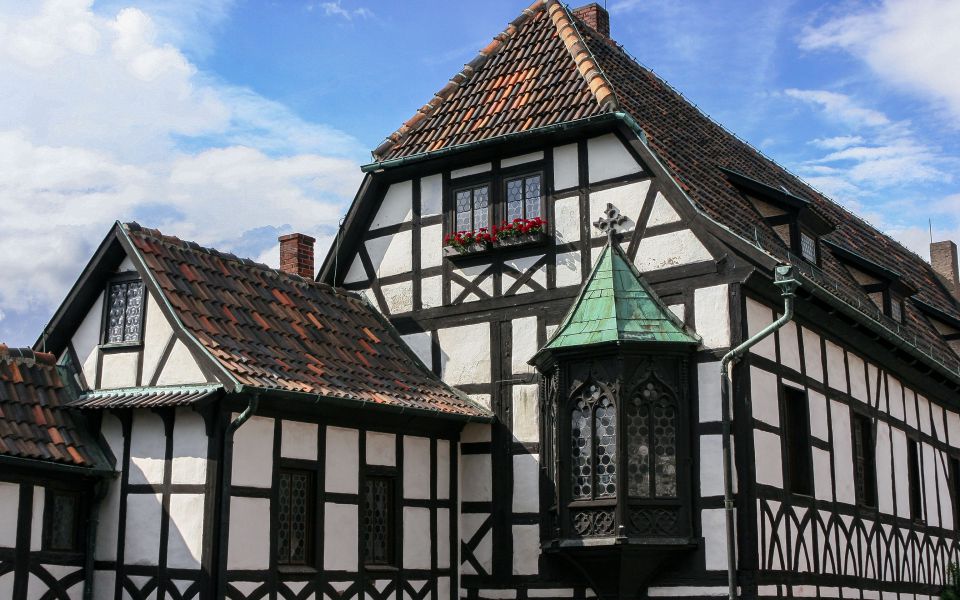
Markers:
point(336, 9)
point(840, 107)
point(910, 43)
point(103, 119)
point(837, 142)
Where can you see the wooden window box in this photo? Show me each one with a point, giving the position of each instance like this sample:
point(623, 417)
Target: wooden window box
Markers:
point(519, 241)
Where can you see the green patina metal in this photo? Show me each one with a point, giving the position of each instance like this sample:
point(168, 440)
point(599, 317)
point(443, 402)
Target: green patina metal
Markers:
point(616, 305)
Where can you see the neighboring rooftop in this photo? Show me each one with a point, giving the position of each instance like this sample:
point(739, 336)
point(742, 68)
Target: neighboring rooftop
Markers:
point(276, 331)
point(33, 421)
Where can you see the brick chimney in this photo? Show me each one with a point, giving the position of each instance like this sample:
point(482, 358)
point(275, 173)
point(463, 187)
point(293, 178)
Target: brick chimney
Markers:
point(596, 17)
point(296, 254)
point(943, 258)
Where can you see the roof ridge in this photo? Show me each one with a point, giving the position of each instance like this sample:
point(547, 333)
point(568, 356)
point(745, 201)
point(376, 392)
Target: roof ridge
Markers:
point(458, 80)
point(26, 356)
point(587, 65)
point(173, 240)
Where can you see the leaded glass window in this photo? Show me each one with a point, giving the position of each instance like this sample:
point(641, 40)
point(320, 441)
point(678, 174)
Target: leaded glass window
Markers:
point(864, 461)
point(896, 309)
point(808, 248)
point(593, 441)
point(378, 529)
point(62, 521)
point(652, 443)
point(124, 313)
point(295, 510)
point(523, 197)
point(472, 207)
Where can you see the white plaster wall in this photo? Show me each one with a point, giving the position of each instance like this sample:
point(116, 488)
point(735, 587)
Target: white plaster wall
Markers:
point(711, 306)
point(565, 167)
point(524, 343)
point(476, 483)
point(342, 460)
point(390, 254)
point(416, 467)
point(759, 316)
point(340, 528)
point(431, 195)
point(399, 297)
point(156, 335)
point(119, 370)
point(356, 272)
point(884, 469)
point(923, 415)
point(249, 544)
point(298, 440)
point(421, 345)
point(900, 470)
point(6, 585)
point(416, 537)
point(148, 443)
point(822, 479)
point(842, 452)
point(475, 432)
point(929, 483)
point(381, 449)
point(431, 246)
point(715, 540)
point(87, 338)
point(253, 453)
point(473, 170)
point(608, 158)
point(769, 466)
point(526, 483)
point(185, 541)
point(465, 354)
point(836, 367)
point(524, 264)
point(396, 206)
point(708, 381)
point(568, 269)
point(953, 428)
point(469, 524)
point(819, 425)
point(10, 501)
point(526, 549)
point(519, 160)
point(858, 377)
point(662, 212)
point(142, 529)
point(443, 469)
point(895, 398)
point(431, 292)
point(189, 463)
point(789, 346)
point(764, 396)
point(109, 527)
point(711, 465)
point(566, 220)
point(443, 538)
point(812, 359)
point(181, 368)
point(627, 198)
point(525, 413)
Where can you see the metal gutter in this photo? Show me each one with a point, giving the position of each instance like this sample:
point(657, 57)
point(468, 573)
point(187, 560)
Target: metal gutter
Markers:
point(788, 285)
point(35, 464)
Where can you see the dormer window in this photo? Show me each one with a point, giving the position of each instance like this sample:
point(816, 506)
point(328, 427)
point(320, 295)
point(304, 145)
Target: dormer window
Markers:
point(808, 247)
point(123, 322)
point(885, 287)
point(896, 309)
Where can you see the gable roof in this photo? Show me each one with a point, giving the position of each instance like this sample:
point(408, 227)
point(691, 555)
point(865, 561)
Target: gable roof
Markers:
point(615, 304)
point(273, 331)
point(495, 98)
point(34, 423)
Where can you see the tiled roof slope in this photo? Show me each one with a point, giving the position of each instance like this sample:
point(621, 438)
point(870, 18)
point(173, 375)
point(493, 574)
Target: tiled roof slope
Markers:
point(529, 76)
point(694, 148)
point(277, 331)
point(33, 421)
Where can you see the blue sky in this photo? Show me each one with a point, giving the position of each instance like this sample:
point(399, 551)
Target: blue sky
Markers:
point(230, 122)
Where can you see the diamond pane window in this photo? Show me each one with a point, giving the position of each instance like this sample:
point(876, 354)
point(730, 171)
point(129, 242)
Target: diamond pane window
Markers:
point(472, 207)
point(124, 313)
point(652, 443)
point(523, 197)
point(896, 310)
point(593, 445)
point(605, 425)
point(295, 510)
point(378, 530)
point(581, 443)
point(808, 248)
point(62, 521)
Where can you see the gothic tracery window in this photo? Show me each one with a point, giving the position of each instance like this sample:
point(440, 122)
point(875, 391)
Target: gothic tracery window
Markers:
point(652, 442)
point(593, 437)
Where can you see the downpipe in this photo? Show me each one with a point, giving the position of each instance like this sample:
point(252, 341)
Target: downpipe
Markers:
point(93, 521)
point(783, 278)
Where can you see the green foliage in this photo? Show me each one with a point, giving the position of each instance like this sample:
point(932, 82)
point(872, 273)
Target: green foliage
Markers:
point(951, 591)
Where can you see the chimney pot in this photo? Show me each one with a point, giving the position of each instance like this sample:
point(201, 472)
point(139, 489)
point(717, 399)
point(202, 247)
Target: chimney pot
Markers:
point(296, 254)
point(596, 17)
point(943, 259)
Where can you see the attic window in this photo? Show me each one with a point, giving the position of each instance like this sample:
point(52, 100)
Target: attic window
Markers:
point(896, 309)
point(124, 318)
point(808, 247)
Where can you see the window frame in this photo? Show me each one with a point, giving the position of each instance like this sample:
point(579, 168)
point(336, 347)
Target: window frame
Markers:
point(78, 526)
point(394, 515)
point(122, 278)
point(646, 412)
point(472, 187)
point(496, 182)
point(954, 466)
point(310, 545)
point(523, 177)
point(914, 480)
point(803, 232)
point(595, 498)
point(859, 423)
point(797, 439)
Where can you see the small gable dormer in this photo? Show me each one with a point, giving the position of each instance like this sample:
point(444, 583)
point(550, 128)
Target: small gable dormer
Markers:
point(946, 324)
point(885, 287)
point(790, 216)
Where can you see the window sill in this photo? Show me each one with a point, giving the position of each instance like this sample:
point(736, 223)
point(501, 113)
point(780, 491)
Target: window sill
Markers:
point(293, 569)
point(520, 241)
point(121, 346)
point(381, 568)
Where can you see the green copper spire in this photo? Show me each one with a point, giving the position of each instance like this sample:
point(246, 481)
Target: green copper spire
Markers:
point(616, 305)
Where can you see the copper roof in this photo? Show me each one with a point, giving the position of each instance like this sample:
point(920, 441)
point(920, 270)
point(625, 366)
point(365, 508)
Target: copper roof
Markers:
point(271, 330)
point(147, 397)
point(33, 421)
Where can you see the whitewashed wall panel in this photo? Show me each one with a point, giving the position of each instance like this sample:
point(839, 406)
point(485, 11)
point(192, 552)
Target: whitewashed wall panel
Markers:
point(253, 453)
point(609, 158)
point(342, 460)
point(10, 501)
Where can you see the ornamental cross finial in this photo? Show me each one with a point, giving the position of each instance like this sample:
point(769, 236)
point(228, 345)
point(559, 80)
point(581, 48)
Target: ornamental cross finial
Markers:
point(608, 223)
